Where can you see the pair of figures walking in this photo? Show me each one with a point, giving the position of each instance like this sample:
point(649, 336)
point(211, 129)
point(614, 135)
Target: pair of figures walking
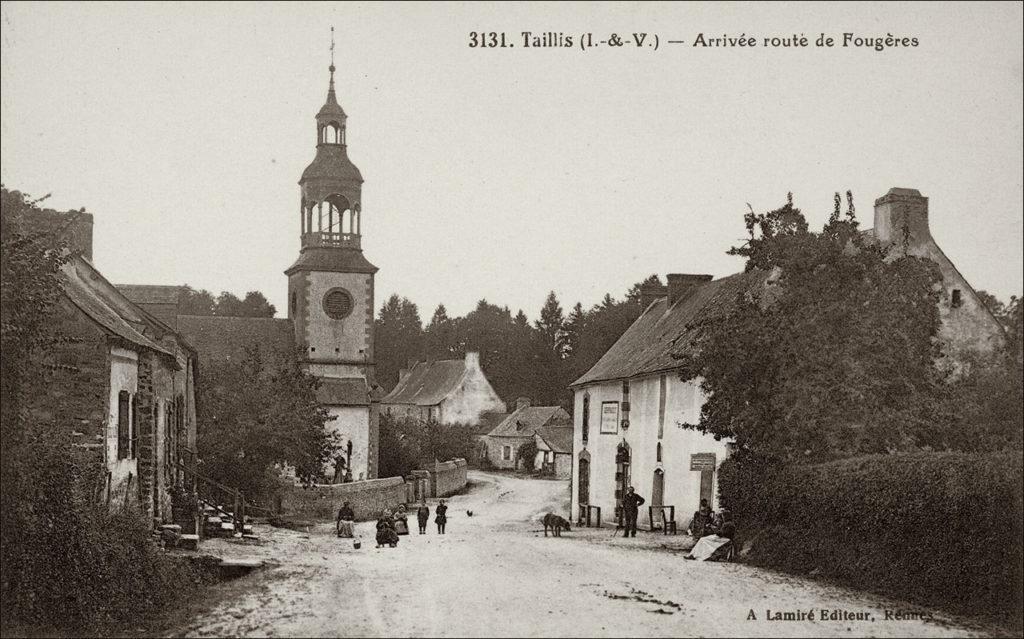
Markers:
point(440, 517)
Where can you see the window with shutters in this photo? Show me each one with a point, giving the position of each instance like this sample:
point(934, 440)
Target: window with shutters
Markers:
point(586, 417)
point(124, 427)
point(662, 390)
point(134, 449)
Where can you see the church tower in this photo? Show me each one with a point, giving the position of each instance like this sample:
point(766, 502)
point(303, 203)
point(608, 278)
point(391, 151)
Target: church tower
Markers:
point(330, 290)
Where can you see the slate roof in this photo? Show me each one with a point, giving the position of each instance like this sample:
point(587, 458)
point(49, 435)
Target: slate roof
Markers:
point(84, 287)
point(151, 293)
point(335, 260)
point(428, 383)
point(488, 422)
point(525, 421)
point(343, 392)
point(226, 338)
point(558, 438)
point(332, 163)
point(660, 332)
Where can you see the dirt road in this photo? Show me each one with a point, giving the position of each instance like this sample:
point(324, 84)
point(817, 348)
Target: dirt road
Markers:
point(495, 574)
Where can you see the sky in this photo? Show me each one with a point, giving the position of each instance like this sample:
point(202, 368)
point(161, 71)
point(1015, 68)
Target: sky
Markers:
point(505, 173)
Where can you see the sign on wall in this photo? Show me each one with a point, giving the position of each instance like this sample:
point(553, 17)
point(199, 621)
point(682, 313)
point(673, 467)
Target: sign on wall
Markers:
point(609, 418)
point(702, 461)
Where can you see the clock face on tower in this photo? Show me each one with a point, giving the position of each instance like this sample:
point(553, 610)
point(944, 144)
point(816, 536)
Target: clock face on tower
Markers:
point(337, 303)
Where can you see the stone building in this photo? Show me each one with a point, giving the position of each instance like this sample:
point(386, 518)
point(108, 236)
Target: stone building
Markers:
point(123, 380)
point(629, 405)
point(554, 450)
point(329, 328)
point(449, 391)
point(519, 428)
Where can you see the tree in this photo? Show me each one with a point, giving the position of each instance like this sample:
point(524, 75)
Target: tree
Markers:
point(398, 339)
point(255, 304)
point(202, 302)
point(440, 335)
point(228, 305)
point(550, 325)
point(254, 418)
point(408, 443)
point(193, 302)
point(836, 358)
point(528, 455)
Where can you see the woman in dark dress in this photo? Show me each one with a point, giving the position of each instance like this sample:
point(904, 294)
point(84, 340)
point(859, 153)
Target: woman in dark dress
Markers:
point(441, 518)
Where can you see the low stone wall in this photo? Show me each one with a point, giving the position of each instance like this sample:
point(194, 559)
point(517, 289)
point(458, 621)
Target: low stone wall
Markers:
point(448, 477)
point(367, 499)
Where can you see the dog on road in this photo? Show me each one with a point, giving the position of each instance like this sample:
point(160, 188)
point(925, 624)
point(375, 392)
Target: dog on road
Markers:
point(556, 524)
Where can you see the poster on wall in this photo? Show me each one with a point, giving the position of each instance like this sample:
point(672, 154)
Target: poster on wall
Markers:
point(609, 418)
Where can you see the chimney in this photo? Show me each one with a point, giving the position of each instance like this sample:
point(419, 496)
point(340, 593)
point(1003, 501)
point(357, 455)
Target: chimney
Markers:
point(682, 285)
point(899, 209)
point(651, 292)
point(473, 360)
point(522, 402)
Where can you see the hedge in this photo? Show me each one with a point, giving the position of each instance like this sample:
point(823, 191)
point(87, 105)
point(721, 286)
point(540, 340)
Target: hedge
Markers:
point(938, 529)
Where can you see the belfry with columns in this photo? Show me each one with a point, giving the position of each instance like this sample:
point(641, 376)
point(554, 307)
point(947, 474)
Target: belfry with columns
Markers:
point(330, 291)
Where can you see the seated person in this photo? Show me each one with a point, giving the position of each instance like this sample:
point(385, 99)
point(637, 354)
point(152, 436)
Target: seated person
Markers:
point(386, 530)
point(703, 520)
point(717, 545)
point(345, 518)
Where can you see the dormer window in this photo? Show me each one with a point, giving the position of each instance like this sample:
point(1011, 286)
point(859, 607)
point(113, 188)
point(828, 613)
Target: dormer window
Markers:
point(957, 300)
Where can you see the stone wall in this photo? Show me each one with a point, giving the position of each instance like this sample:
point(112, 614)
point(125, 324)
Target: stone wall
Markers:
point(367, 498)
point(494, 451)
point(75, 396)
point(448, 477)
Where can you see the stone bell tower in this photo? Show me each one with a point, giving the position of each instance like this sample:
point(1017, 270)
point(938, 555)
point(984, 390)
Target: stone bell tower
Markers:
point(330, 288)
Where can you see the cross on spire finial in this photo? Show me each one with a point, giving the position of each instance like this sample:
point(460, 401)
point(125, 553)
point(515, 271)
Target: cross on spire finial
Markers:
point(332, 49)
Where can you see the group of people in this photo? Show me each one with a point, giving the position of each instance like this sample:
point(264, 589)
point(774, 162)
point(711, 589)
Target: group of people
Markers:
point(714, 533)
point(392, 524)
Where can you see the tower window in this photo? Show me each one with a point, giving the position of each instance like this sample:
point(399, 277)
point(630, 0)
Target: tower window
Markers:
point(295, 304)
point(957, 301)
point(337, 304)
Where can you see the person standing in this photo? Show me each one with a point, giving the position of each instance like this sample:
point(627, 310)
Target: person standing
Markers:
point(630, 508)
point(441, 517)
point(422, 516)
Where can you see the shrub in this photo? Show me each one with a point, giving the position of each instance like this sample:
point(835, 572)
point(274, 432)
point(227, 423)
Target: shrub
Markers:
point(940, 529)
point(71, 562)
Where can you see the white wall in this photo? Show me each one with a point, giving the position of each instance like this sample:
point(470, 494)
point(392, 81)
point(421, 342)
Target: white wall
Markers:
point(682, 486)
point(124, 376)
point(352, 423)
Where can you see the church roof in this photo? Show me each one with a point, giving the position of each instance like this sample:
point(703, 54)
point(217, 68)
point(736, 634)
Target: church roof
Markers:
point(225, 339)
point(525, 421)
point(335, 260)
point(428, 383)
point(664, 331)
point(351, 391)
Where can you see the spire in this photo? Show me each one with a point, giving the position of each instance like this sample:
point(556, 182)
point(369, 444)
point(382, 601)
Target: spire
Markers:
point(330, 90)
point(331, 109)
